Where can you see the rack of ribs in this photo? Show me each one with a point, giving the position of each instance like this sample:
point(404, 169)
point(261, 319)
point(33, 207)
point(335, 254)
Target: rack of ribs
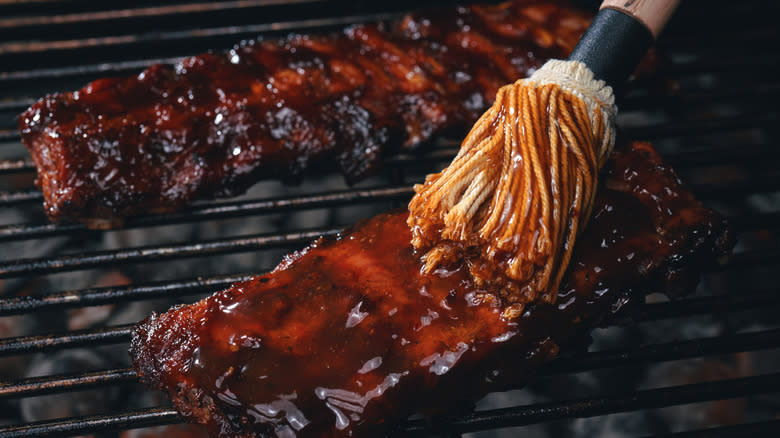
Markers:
point(216, 123)
point(349, 336)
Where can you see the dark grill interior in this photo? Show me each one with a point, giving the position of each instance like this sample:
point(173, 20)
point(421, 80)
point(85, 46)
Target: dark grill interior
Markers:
point(69, 296)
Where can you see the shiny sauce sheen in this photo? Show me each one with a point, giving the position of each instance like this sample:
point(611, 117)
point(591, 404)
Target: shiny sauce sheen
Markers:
point(215, 123)
point(348, 336)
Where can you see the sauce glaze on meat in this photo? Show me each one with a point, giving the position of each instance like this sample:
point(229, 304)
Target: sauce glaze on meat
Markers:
point(348, 336)
point(215, 123)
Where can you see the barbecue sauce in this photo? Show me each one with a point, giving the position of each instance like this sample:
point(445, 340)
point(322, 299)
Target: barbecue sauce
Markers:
point(349, 335)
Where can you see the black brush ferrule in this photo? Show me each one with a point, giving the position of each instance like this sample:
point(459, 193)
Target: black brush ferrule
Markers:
point(612, 46)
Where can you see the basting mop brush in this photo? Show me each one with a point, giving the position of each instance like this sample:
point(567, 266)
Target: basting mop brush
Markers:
point(521, 188)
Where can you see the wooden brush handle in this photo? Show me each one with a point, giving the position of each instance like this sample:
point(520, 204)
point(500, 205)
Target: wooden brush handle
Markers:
point(652, 13)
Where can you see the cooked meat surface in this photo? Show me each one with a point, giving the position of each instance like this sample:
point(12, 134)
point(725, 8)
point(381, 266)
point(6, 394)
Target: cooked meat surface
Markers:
point(215, 123)
point(348, 336)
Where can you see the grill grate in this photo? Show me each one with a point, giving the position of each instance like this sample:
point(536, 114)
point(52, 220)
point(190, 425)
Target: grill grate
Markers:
point(709, 110)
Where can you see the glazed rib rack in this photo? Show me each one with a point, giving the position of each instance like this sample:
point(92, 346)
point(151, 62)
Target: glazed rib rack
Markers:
point(709, 110)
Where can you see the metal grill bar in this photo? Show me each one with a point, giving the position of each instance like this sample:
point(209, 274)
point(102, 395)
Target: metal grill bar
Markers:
point(690, 307)
point(670, 40)
point(86, 425)
point(672, 351)
point(221, 211)
point(689, 98)
point(680, 128)
point(8, 199)
point(229, 210)
point(106, 295)
point(706, 305)
point(142, 12)
point(16, 166)
point(64, 263)
point(16, 2)
point(32, 48)
point(249, 208)
point(679, 159)
point(62, 383)
point(758, 183)
point(644, 399)
point(17, 104)
point(48, 265)
point(82, 70)
point(737, 62)
point(519, 416)
point(27, 344)
point(114, 294)
point(9, 135)
point(690, 157)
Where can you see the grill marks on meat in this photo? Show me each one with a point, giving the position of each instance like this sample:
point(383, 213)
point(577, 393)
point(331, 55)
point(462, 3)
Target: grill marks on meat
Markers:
point(216, 123)
point(348, 335)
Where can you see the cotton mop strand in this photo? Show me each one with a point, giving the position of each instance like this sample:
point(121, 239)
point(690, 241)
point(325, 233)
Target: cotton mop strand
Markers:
point(522, 186)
